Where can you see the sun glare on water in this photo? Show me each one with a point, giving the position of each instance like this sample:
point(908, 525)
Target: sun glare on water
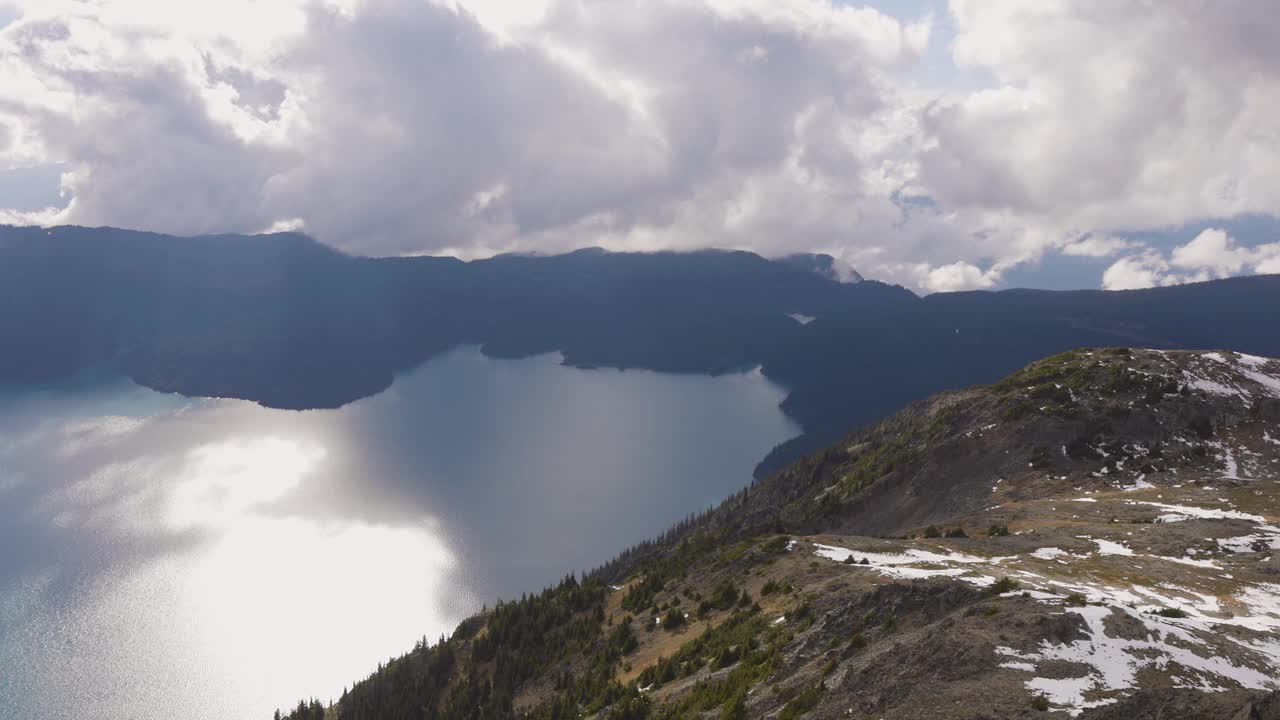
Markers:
point(223, 482)
point(292, 605)
point(209, 559)
point(263, 604)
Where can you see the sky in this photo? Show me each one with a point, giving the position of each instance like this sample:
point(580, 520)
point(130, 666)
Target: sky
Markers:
point(938, 144)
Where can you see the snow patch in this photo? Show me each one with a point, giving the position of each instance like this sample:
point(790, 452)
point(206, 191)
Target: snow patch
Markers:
point(1112, 664)
point(1257, 542)
point(1270, 382)
point(1189, 561)
point(1049, 553)
point(1214, 387)
point(1184, 512)
point(1253, 361)
point(839, 554)
point(1107, 547)
point(1231, 470)
point(905, 565)
point(1138, 484)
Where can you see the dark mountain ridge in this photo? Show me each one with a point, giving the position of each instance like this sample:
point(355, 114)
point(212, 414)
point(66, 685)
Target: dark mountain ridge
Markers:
point(288, 322)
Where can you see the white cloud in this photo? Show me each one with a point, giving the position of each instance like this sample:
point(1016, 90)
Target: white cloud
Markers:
point(1097, 246)
point(1145, 270)
point(408, 126)
point(1211, 254)
point(1214, 251)
point(1113, 114)
point(956, 276)
point(384, 126)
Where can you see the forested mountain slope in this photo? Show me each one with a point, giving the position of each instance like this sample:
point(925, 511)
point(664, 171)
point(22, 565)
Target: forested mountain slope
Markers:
point(1096, 535)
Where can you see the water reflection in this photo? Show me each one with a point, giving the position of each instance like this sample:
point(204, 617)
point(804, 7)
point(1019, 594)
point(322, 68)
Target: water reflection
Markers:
point(222, 482)
point(161, 556)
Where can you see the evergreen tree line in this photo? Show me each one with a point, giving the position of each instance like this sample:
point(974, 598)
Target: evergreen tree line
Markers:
point(475, 674)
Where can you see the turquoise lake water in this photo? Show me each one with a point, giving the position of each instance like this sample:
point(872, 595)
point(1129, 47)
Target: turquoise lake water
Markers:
point(163, 556)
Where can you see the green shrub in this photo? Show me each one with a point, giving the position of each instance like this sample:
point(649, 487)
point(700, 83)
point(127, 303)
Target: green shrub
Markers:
point(998, 531)
point(642, 593)
point(932, 532)
point(725, 657)
point(778, 544)
point(803, 702)
point(803, 612)
point(1002, 586)
point(673, 620)
point(724, 596)
point(736, 708)
point(621, 641)
point(732, 642)
point(1015, 410)
point(1075, 599)
point(1040, 703)
point(635, 707)
point(1172, 612)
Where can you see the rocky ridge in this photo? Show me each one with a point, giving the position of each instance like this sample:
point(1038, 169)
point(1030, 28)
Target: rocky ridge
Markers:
point(1097, 535)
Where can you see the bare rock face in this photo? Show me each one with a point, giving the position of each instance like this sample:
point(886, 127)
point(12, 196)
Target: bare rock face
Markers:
point(1061, 629)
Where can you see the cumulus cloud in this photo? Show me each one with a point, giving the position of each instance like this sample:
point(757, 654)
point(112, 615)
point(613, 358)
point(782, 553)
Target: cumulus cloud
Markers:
point(1113, 114)
point(1097, 246)
point(411, 126)
point(956, 276)
point(1104, 115)
point(400, 126)
point(1214, 252)
point(1210, 255)
point(1145, 270)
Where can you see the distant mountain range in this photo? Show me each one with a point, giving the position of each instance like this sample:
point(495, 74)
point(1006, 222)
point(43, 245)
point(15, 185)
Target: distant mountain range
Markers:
point(288, 322)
